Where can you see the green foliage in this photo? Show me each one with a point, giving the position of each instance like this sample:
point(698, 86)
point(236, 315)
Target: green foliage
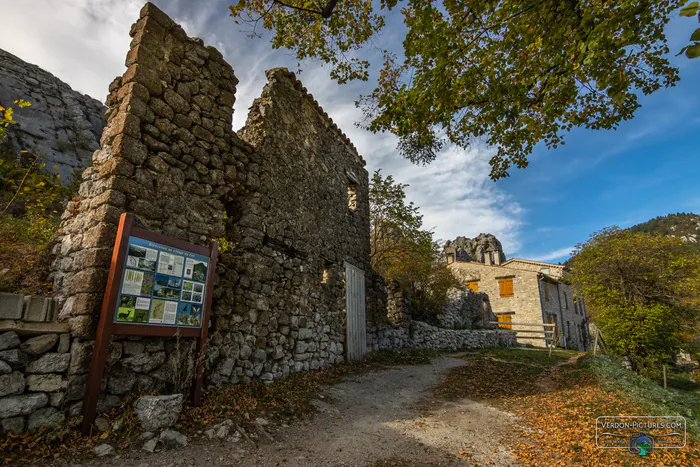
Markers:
point(7, 117)
point(693, 49)
point(31, 204)
point(642, 290)
point(400, 250)
point(516, 73)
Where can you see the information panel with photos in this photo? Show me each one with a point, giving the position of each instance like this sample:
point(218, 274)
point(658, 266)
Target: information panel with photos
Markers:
point(161, 285)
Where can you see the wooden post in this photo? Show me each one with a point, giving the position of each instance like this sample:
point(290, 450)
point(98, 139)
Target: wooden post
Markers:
point(665, 387)
point(595, 343)
point(196, 393)
point(104, 331)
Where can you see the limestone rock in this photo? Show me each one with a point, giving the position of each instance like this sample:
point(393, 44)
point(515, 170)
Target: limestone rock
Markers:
point(475, 249)
point(11, 384)
point(13, 425)
point(5, 368)
point(15, 358)
point(45, 417)
point(150, 445)
point(39, 344)
point(22, 405)
point(46, 383)
point(157, 412)
point(62, 124)
point(145, 362)
point(103, 450)
point(173, 439)
point(9, 340)
point(50, 363)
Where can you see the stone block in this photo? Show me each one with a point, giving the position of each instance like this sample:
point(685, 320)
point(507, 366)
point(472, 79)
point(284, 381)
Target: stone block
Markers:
point(11, 384)
point(13, 425)
point(63, 343)
point(156, 412)
point(5, 368)
point(9, 340)
point(22, 405)
point(46, 383)
point(49, 363)
point(11, 306)
point(15, 358)
point(48, 416)
point(81, 354)
point(39, 309)
point(39, 344)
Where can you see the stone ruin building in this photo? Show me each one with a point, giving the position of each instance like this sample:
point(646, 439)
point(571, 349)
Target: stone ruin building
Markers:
point(287, 198)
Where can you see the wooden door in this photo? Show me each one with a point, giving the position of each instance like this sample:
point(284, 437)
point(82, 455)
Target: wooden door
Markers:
point(355, 326)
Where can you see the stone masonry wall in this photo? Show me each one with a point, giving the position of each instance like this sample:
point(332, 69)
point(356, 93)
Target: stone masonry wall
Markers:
point(278, 193)
point(465, 309)
point(419, 335)
point(62, 125)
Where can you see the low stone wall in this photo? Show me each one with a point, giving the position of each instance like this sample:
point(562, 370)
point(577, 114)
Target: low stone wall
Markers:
point(33, 380)
point(420, 335)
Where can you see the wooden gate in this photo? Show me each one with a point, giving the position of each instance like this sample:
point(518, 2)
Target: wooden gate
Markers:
point(355, 329)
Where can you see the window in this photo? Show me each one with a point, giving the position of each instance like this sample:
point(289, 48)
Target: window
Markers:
point(504, 319)
point(544, 270)
point(546, 292)
point(566, 302)
point(352, 195)
point(505, 287)
point(474, 285)
point(450, 258)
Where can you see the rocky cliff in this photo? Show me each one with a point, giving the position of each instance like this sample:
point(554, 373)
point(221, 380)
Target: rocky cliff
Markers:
point(475, 249)
point(62, 125)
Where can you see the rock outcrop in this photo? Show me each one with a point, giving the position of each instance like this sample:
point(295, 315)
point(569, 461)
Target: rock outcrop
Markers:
point(485, 248)
point(62, 125)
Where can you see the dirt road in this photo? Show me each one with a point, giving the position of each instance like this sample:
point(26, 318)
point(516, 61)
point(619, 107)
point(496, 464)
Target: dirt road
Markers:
point(387, 417)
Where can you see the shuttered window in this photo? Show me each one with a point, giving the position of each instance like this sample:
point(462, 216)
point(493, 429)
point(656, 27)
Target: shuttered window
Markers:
point(504, 319)
point(546, 292)
point(474, 285)
point(506, 287)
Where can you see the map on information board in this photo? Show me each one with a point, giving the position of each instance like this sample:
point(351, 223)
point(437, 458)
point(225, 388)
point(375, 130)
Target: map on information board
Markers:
point(161, 285)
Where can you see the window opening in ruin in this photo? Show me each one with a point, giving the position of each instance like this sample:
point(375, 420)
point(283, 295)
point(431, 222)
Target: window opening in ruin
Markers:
point(506, 287)
point(546, 292)
point(324, 276)
point(474, 285)
point(450, 258)
point(352, 195)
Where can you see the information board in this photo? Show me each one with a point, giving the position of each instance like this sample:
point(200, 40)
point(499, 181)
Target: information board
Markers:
point(161, 285)
point(157, 286)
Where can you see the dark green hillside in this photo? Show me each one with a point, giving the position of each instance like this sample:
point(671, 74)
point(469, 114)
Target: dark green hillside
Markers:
point(680, 224)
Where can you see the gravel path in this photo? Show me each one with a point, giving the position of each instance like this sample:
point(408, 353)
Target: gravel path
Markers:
point(385, 417)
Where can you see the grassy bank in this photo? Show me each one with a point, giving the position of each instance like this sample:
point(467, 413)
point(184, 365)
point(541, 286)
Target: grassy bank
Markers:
point(558, 400)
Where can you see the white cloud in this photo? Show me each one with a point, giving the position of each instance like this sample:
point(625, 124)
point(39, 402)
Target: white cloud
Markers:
point(84, 43)
point(561, 253)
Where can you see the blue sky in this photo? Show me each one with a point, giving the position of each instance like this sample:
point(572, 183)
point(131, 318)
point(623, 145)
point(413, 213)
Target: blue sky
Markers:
point(648, 167)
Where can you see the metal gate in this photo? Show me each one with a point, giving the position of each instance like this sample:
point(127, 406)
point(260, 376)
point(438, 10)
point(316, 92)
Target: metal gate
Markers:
point(355, 329)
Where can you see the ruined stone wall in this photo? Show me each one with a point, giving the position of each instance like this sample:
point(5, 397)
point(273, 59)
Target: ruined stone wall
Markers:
point(282, 299)
point(62, 125)
point(465, 309)
point(288, 197)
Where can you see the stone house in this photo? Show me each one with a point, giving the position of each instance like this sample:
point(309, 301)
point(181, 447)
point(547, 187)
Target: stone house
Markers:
point(531, 292)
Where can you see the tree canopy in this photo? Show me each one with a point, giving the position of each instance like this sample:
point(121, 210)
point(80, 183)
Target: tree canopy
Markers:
point(514, 73)
point(642, 290)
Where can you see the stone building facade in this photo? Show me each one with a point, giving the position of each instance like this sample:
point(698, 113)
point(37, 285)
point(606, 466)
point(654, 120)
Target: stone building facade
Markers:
point(520, 292)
